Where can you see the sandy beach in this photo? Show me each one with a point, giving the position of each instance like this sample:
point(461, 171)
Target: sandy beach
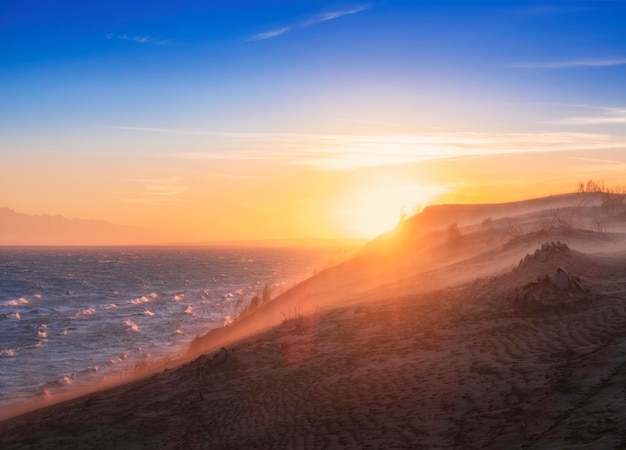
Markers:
point(488, 351)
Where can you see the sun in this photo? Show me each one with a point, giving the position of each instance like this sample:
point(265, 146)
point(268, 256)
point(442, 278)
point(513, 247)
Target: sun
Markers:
point(372, 210)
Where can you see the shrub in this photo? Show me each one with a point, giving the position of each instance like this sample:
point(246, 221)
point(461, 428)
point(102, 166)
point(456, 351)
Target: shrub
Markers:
point(454, 235)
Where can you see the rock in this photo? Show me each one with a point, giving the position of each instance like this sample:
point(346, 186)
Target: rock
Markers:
point(562, 281)
point(575, 282)
point(220, 357)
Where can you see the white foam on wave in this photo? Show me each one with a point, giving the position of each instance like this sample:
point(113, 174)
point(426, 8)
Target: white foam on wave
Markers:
point(19, 301)
point(42, 335)
point(132, 325)
point(7, 353)
point(147, 312)
point(189, 309)
point(228, 320)
point(109, 306)
point(84, 312)
point(119, 358)
point(179, 297)
point(144, 299)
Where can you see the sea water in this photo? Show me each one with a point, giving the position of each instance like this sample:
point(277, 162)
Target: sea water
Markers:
point(69, 316)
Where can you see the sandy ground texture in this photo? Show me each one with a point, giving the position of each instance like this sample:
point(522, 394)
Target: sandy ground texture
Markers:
point(526, 349)
point(455, 368)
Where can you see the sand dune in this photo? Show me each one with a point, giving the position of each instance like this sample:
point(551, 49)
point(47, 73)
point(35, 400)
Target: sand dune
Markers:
point(415, 343)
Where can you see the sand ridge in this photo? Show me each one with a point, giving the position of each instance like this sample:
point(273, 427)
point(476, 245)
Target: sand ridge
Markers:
point(408, 345)
point(449, 369)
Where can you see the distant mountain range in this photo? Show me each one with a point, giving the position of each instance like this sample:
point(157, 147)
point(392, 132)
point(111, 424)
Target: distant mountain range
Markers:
point(25, 229)
point(34, 230)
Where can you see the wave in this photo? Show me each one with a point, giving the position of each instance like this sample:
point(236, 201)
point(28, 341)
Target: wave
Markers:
point(42, 331)
point(118, 359)
point(104, 309)
point(132, 325)
point(228, 320)
point(84, 312)
point(42, 335)
point(20, 301)
point(65, 380)
point(144, 299)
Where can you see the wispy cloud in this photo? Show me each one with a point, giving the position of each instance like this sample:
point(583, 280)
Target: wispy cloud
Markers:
point(371, 151)
point(319, 18)
point(145, 39)
point(367, 122)
point(269, 34)
point(347, 152)
point(350, 151)
point(325, 17)
point(599, 161)
point(606, 116)
point(157, 191)
point(571, 64)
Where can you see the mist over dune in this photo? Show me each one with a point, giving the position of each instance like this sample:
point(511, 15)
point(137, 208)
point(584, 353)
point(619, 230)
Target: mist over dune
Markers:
point(473, 326)
point(441, 247)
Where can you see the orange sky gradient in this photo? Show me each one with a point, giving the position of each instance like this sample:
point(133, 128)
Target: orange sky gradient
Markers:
point(223, 121)
point(339, 186)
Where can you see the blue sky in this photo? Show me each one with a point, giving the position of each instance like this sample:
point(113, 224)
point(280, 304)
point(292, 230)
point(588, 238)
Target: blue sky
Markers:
point(249, 88)
point(140, 57)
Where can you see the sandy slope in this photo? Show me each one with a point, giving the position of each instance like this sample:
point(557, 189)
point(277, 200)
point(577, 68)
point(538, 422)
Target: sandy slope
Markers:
point(420, 354)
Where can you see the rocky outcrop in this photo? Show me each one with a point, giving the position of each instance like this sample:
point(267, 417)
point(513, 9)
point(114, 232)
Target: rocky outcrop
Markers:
point(547, 249)
point(555, 288)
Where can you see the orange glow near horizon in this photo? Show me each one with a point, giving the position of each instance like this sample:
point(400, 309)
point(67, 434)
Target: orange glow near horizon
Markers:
point(228, 134)
point(376, 209)
point(294, 192)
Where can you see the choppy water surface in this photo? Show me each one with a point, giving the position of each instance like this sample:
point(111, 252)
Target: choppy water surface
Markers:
point(71, 315)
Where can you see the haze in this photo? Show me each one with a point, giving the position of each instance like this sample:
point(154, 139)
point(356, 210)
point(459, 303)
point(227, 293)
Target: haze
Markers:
point(277, 120)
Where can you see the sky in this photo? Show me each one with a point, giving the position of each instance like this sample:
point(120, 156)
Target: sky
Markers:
point(237, 120)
